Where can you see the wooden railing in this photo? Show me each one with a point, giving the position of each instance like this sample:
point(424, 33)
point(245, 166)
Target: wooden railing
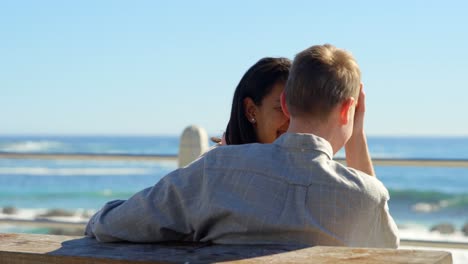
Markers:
point(461, 163)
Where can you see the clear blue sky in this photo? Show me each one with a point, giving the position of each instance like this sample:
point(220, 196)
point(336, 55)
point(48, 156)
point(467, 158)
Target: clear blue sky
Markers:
point(154, 67)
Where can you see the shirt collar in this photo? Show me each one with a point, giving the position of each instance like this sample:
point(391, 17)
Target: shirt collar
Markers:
point(305, 142)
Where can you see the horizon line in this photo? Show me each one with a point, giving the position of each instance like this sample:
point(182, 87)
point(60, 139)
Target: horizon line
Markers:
point(209, 135)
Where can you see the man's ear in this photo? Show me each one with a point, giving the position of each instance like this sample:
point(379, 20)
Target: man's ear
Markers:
point(250, 109)
point(345, 110)
point(284, 107)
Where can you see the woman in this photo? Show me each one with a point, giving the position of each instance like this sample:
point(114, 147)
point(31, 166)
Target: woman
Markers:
point(256, 114)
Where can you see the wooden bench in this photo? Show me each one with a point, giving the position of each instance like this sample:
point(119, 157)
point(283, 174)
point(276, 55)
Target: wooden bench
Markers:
point(28, 248)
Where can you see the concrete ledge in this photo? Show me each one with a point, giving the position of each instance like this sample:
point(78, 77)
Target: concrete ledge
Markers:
point(27, 248)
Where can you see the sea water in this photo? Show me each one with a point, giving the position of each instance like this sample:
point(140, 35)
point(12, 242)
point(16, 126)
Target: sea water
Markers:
point(420, 196)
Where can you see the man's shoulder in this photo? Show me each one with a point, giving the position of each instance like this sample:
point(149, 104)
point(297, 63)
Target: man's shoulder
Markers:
point(362, 182)
point(247, 157)
point(242, 149)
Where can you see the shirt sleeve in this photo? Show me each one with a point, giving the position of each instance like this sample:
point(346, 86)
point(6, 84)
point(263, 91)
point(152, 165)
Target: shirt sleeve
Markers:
point(158, 213)
point(377, 227)
point(384, 233)
point(387, 235)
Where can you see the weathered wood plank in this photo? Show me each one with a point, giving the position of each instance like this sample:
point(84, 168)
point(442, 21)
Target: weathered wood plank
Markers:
point(331, 255)
point(27, 248)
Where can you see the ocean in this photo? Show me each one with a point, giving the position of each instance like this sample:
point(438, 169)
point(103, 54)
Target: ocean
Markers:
point(420, 196)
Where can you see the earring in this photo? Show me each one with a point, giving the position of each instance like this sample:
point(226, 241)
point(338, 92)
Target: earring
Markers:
point(252, 120)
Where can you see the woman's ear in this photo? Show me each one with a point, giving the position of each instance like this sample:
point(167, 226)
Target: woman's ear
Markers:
point(250, 110)
point(346, 110)
point(284, 107)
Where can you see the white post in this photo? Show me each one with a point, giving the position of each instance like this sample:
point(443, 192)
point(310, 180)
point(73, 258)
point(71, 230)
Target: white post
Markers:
point(193, 143)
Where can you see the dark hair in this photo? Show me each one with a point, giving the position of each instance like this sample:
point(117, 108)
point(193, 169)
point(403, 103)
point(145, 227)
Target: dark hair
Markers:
point(256, 83)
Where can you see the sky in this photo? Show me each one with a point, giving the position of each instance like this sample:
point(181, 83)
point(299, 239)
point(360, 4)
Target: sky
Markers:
point(155, 67)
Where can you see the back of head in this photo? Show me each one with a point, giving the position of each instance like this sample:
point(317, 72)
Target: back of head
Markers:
point(321, 77)
point(256, 83)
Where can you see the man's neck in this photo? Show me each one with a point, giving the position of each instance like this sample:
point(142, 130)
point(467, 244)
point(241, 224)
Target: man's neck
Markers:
point(325, 130)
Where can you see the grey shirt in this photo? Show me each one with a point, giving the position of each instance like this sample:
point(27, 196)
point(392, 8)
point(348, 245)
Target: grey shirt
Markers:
point(288, 192)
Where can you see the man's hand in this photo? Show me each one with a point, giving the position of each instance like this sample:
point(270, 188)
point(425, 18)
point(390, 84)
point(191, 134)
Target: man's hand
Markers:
point(357, 152)
point(359, 113)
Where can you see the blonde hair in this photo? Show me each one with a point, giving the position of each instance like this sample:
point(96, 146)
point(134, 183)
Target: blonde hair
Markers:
point(321, 77)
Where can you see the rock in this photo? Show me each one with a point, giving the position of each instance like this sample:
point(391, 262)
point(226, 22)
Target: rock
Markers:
point(57, 212)
point(444, 228)
point(465, 229)
point(9, 210)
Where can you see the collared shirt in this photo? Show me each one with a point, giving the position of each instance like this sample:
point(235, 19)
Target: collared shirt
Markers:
point(288, 192)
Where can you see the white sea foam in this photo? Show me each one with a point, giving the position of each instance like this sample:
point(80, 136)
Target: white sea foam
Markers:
point(28, 214)
point(106, 192)
point(31, 146)
point(417, 232)
point(425, 207)
point(459, 256)
point(23, 214)
point(44, 171)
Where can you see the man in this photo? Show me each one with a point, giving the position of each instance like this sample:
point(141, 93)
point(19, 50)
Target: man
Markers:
point(288, 192)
